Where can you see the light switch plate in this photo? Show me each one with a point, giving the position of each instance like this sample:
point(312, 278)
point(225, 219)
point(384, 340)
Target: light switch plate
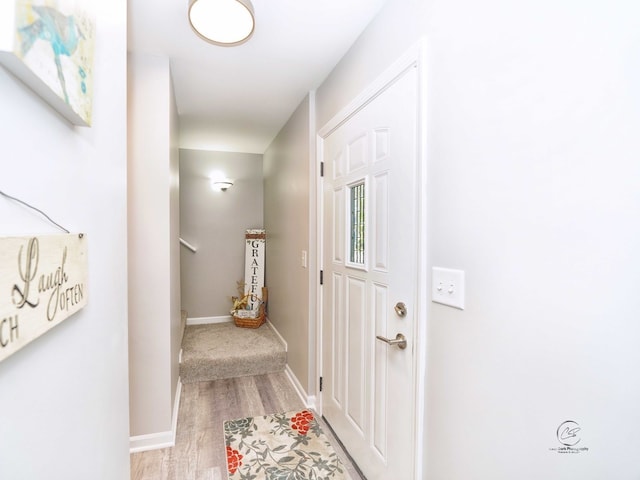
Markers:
point(448, 287)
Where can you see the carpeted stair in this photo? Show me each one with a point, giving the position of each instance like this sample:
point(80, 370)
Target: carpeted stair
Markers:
point(222, 350)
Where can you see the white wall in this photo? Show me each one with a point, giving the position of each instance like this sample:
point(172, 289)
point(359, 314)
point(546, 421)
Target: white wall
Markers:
point(372, 53)
point(215, 222)
point(175, 305)
point(64, 396)
point(154, 302)
point(534, 151)
point(534, 191)
point(286, 205)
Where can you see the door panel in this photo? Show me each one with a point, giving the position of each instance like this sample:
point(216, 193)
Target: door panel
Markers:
point(338, 226)
point(380, 224)
point(356, 353)
point(381, 304)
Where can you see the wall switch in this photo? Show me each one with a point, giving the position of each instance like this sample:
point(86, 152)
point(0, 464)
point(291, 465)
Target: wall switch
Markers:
point(448, 287)
point(303, 259)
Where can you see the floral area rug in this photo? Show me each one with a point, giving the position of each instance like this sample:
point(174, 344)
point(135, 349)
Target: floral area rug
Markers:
point(283, 446)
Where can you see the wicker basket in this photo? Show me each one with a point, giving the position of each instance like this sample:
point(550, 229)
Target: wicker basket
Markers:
point(254, 322)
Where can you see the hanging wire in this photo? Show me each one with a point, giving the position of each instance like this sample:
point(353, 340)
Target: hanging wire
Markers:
point(34, 208)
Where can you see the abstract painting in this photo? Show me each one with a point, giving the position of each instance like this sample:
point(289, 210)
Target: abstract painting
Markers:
point(49, 45)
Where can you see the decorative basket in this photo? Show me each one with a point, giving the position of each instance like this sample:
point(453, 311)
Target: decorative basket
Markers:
point(258, 320)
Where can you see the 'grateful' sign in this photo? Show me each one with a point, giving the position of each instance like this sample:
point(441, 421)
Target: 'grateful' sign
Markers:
point(254, 266)
point(43, 281)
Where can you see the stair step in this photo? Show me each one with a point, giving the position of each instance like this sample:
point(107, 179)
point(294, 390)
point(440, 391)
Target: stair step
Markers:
point(222, 350)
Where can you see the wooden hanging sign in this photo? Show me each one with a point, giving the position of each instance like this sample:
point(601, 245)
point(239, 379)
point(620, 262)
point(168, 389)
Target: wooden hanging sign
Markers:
point(254, 266)
point(43, 281)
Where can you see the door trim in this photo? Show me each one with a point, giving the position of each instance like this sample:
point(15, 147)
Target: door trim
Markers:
point(415, 57)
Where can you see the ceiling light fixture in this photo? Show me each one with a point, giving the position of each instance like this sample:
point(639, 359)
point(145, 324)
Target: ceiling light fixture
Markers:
point(222, 22)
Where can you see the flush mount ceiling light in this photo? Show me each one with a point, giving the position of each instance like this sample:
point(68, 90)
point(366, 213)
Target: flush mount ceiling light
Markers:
point(222, 22)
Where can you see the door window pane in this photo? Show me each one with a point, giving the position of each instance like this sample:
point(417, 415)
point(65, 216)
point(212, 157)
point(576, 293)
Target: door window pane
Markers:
point(357, 224)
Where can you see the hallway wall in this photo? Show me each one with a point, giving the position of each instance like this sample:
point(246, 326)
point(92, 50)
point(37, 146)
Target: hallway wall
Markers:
point(533, 114)
point(215, 223)
point(154, 230)
point(286, 205)
point(64, 397)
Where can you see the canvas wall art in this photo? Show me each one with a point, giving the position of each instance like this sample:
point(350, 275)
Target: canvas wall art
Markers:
point(49, 45)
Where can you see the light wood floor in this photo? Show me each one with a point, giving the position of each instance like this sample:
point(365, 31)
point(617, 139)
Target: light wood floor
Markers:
point(199, 453)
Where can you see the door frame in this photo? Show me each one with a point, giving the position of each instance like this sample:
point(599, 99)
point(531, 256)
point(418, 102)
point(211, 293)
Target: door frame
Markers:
point(415, 57)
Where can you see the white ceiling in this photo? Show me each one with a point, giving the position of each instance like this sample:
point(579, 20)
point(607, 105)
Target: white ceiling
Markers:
point(238, 98)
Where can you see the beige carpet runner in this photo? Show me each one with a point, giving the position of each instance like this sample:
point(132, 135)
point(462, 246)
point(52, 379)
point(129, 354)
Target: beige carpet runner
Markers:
point(283, 446)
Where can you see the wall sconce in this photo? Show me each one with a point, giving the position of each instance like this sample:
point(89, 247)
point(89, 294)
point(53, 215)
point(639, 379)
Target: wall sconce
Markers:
point(222, 22)
point(221, 185)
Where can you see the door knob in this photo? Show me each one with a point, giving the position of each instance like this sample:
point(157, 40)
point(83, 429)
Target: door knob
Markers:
point(400, 341)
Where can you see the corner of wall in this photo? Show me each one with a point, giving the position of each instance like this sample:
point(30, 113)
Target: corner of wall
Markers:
point(156, 441)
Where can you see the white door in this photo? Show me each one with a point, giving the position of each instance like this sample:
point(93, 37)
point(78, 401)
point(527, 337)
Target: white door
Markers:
point(369, 257)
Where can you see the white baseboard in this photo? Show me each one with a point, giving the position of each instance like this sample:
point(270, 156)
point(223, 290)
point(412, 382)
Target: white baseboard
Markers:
point(308, 400)
point(155, 441)
point(280, 337)
point(209, 320)
point(176, 409)
point(152, 441)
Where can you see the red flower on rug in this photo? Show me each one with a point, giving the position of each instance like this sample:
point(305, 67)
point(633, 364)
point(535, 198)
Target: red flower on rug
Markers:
point(234, 460)
point(300, 421)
